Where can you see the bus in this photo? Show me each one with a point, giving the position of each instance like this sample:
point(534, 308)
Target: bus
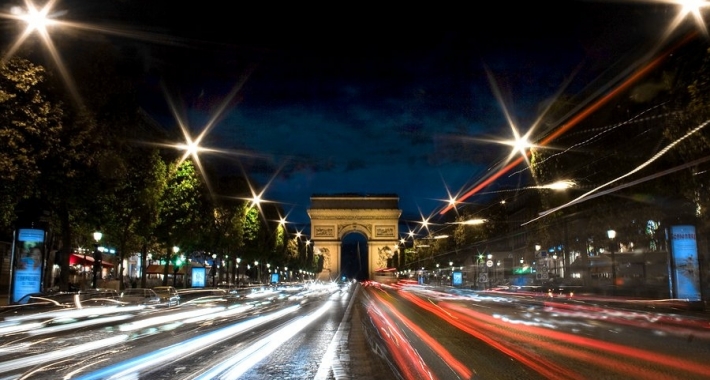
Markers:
point(386, 276)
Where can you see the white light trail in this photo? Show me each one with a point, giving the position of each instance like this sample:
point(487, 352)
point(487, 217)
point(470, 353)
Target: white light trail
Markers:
point(130, 369)
point(238, 364)
point(60, 354)
point(587, 195)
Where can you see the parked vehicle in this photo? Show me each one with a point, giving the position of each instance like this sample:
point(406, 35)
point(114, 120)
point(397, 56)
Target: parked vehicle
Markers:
point(68, 299)
point(168, 295)
point(140, 296)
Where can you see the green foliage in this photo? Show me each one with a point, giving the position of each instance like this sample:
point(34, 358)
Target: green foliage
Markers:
point(252, 225)
point(179, 205)
point(29, 131)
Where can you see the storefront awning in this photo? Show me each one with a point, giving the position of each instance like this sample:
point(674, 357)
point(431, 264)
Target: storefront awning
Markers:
point(85, 260)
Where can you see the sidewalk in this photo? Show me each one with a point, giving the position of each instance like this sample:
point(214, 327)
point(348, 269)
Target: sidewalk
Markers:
point(361, 359)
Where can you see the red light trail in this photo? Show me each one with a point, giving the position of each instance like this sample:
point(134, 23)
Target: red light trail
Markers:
point(576, 119)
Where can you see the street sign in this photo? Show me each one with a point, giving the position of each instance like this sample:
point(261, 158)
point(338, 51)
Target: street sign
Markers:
point(489, 263)
point(482, 277)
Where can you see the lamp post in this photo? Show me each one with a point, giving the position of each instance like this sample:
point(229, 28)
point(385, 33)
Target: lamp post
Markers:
point(83, 265)
point(498, 270)
point(239, 279)
point(213, 270)
point(268, 269)
point(612, 234)
point(97, 258)
point(258, 271)
point(554, 261)
point(402, 252)
point(176, 267)
point(225, 264)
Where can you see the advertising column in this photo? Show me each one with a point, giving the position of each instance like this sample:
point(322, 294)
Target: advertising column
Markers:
point(684, 263)
point(26, 263)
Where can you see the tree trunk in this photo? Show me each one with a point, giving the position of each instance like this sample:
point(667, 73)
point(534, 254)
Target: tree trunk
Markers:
point(166, 267)
point(144, 267)
point(66, 246)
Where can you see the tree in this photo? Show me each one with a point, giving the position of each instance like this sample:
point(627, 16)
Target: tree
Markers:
point(132, 206)
point(179, 210)
point(29, 132)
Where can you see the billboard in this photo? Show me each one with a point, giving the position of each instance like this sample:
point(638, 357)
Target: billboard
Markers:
point(457, 278)
point(198, 277)
point(684, 262)
point(27, 263)
point(274, 278)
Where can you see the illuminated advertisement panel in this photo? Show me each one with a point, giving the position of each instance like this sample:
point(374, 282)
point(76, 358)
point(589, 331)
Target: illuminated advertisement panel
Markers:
point(198, 277)
point(274, 278)
point(457, 278)
point(684, 256)
point(27, 263)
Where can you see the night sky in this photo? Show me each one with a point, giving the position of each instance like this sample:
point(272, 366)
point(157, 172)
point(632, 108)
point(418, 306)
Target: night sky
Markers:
point(351, 98)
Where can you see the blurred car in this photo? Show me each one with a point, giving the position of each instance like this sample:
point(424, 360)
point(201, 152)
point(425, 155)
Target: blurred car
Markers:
point(228, 286)
point(67, 299)
point(140, 296)
point(36, 303)
point(48, 299)
point(205, 296)
point(98, 294)
point(168, 295)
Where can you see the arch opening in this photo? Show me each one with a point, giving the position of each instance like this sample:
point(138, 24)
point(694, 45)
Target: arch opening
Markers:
point(354, 257)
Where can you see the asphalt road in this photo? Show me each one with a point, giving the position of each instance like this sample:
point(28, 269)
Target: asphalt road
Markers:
point(364, 331)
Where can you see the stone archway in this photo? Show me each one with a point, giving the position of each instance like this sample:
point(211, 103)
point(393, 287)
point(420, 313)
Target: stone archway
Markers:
point(334, 216)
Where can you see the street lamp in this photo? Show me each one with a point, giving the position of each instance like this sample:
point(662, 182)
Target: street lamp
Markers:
point(176, 249)
point(554, 260)
point(213, 270)
point(402, 252)
point(225, 264)
point(268, 269)
point(97, 258)
point(239, 280)
point(258, 271)
point(612, 234)
point(497, 269)
point(451, 274)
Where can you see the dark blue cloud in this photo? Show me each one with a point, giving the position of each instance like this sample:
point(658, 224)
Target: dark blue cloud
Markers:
point(366, 100)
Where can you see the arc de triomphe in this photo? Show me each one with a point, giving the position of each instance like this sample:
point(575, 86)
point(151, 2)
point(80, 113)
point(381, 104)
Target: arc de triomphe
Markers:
point(334, 216)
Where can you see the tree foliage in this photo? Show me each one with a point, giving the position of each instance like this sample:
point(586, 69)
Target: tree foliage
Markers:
point(180, 206)
point(29, 131)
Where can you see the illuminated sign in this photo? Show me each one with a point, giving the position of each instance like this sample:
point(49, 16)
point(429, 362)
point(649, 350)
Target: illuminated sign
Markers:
point(684, 256)
point(457, 278)
point(274, 278)
point(27, 263)
point(198, 277)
